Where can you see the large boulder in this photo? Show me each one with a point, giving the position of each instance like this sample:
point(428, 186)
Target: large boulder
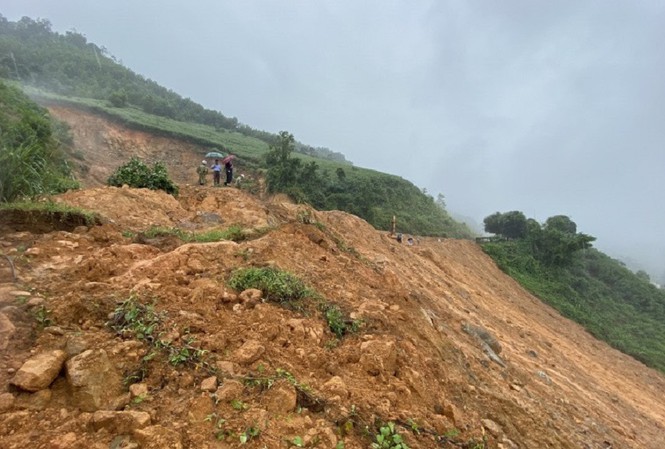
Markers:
point(95, 383)
point(39, 371)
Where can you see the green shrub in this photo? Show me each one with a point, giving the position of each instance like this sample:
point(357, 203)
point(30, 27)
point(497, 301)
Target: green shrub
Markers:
point(276, 285)
point(136, 174)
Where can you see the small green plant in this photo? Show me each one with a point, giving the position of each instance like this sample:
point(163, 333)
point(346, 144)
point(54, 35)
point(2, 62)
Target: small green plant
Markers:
point(251, 432)
point(238, 405)
point(43, 316)
point(133, 319)
point(186, 353)
point(338, 323)
point(415, 428)
point(140, 398)
point(297, 441)
point(388, 438)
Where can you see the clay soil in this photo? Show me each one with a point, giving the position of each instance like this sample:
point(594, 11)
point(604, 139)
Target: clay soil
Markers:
point(449, 348)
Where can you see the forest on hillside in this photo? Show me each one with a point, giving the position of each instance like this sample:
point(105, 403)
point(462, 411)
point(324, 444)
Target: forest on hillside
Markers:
point(557, 263)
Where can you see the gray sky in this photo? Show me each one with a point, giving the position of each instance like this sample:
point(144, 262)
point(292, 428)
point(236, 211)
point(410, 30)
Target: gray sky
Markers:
point(548, 107)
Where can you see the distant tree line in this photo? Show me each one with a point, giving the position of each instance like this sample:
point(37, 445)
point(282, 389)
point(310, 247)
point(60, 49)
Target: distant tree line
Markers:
point(553, 243)
point(373, 196)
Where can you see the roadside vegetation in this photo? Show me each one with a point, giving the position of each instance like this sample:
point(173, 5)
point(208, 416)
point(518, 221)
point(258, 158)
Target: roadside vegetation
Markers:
point(556, 263)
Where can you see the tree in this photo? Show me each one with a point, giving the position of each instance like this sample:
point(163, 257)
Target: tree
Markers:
point(493, 223)
point(512, 225)
point(561, 223)
point(283, 170)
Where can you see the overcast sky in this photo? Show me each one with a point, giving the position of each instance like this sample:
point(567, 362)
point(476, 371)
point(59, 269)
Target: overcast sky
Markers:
point(548, 107)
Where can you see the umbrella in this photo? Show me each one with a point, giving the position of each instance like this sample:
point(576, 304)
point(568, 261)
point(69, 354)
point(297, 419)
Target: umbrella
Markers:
point(228, 158)
point(215, 154)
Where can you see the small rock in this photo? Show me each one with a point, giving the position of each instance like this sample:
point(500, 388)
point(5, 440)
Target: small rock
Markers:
point(7, 401)
point(138, 390)
point(249, 352)
point(492, 427)
point(64, 441)
point(35, 302)
point(226, 368)
point(38, 372)
point(229, 390)
point(20, 293)
point(120, 422)
point(158, 437)
point(209, 384)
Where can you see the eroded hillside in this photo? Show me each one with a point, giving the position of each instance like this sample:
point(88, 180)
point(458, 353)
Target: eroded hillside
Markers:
point(450, 348)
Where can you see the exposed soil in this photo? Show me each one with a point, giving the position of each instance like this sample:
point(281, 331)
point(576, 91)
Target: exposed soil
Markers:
point(450, 348)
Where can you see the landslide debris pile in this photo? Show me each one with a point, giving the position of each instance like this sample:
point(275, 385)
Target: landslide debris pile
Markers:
point(118, 336)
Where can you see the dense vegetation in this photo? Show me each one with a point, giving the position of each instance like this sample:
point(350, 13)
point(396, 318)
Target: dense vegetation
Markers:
point(374, 196)
point(32, 160)
point(68, 68)
point(136, 174)
point(557, 264)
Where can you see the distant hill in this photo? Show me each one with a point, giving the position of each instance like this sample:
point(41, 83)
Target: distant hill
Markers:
point(67, 68)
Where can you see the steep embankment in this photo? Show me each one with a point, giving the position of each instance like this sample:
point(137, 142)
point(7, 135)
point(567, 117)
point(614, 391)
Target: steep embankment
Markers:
point(450, 346)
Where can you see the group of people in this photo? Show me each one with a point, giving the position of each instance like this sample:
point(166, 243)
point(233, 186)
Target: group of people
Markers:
point(409, 241)
point(202, 171)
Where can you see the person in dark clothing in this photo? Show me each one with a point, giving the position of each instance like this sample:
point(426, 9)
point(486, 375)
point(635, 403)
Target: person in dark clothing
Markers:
point(228, 167)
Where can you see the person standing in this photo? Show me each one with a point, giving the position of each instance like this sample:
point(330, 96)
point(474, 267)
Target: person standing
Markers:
point(202, 170)
point(228, 167)
point(216, 172)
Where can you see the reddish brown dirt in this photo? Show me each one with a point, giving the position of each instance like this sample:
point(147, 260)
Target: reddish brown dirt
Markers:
point(411, 361)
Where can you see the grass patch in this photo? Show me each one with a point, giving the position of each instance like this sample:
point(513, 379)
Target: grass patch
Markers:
point(288, 290)
point(277, 285)
point(234, 233)
point(52, 209)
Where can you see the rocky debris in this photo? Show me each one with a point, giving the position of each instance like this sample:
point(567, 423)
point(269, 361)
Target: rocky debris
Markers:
point(158, 437)
point(95, 384)
point(489, 344)
point(39, 371)
point(122, 422)
point(281, 372)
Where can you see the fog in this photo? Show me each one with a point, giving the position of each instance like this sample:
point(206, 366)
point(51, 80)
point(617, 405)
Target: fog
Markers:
point(545, 107)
